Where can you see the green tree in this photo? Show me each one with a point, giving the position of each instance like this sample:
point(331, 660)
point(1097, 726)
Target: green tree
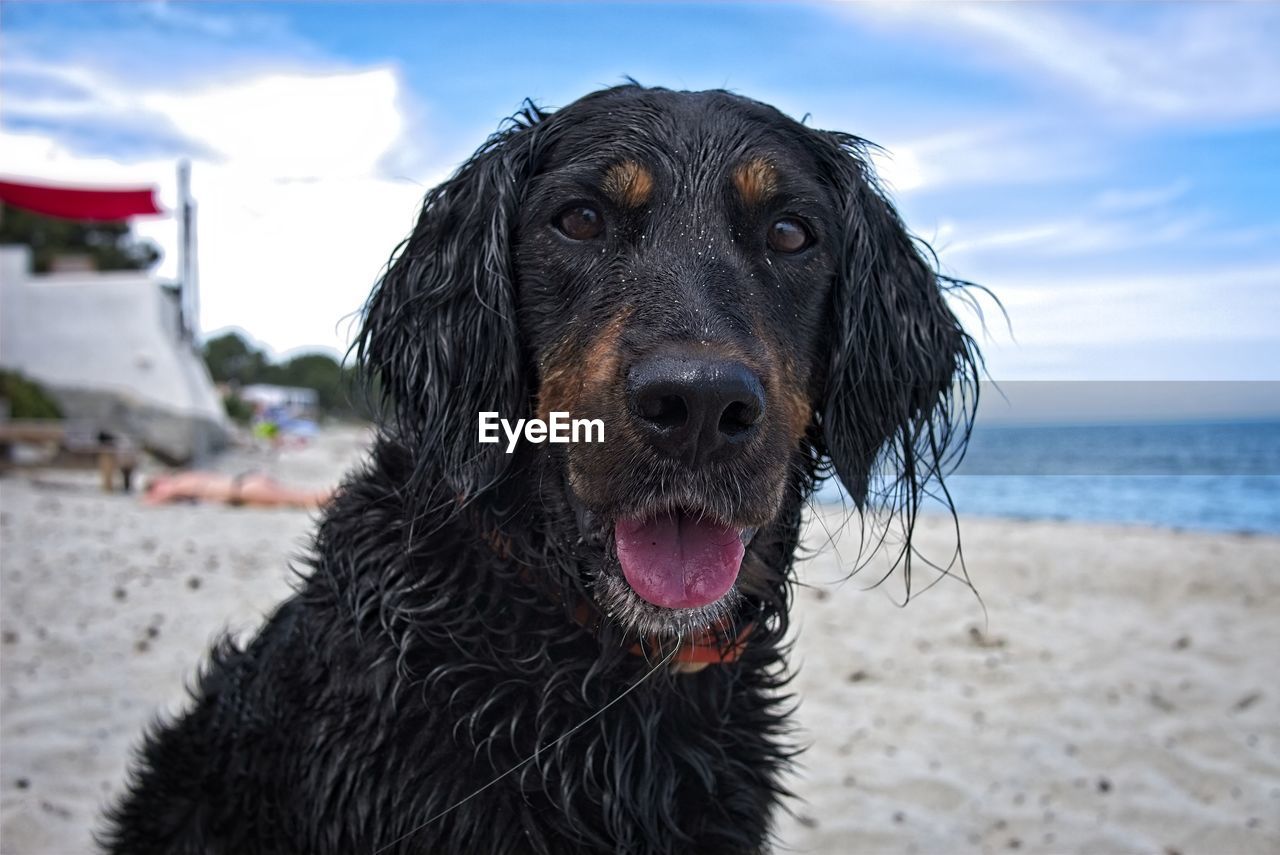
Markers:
point(26, 399)
point(110, 246)
point(322, 373)
point(233, 359)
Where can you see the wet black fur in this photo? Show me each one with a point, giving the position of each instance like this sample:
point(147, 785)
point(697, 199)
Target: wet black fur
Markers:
point(431, 646)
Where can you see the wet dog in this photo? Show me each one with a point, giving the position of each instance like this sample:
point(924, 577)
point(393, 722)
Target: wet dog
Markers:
point(576, 647)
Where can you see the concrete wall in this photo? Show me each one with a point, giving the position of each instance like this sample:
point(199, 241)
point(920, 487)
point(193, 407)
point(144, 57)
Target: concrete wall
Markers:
point(107, 346)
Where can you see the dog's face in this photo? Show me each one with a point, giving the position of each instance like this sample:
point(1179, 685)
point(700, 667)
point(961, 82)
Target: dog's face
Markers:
point(674, 262)
point(720, 286)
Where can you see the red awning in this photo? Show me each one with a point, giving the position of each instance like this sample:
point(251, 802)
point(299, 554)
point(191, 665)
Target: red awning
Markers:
point(79, 203)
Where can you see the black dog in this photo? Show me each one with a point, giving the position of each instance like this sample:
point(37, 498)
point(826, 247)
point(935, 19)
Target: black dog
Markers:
point(576, 648)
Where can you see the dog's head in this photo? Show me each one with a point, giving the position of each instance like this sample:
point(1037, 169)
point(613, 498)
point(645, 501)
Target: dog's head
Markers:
point(723, 288)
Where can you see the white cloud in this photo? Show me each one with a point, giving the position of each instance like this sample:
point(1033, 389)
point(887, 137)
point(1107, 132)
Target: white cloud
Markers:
point(1172, 61)
point(186, 17)
point(295, 217)
point(1199, 304)
point(291, 126)
point(1118, 220)
point(1168, 324)
point(1142, 197)
point(987, 153)
point(1075, 236)
point(899, 168)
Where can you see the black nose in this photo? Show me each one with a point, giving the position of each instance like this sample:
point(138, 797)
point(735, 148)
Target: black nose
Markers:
point(695, 409)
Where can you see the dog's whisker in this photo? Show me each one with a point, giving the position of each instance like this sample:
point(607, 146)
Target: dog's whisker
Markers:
point(529, 759)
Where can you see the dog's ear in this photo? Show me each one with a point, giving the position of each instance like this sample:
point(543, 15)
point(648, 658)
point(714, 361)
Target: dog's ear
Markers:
point(901, 382)
point(440, 342)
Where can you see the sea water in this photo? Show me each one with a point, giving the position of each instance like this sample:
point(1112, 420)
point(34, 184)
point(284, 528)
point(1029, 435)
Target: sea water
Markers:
point(1221, 476)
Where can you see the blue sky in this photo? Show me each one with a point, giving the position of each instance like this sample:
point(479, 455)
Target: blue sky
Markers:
point(1110, 171)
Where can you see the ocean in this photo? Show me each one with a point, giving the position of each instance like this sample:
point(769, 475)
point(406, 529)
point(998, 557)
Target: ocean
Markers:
point(1221, 476)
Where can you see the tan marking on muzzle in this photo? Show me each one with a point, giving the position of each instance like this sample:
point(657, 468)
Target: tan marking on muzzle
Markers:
point(628, 183)
point(792, 396)
point(756, 181)
point(797, 410)
point(569, 375)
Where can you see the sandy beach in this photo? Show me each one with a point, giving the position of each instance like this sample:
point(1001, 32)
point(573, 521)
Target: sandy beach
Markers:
point(1119, 695)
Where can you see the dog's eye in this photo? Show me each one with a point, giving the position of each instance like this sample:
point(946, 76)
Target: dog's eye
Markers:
point(788, 235)
point(581, 222)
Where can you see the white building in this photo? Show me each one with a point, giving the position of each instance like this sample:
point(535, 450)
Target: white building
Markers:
point(109, 348)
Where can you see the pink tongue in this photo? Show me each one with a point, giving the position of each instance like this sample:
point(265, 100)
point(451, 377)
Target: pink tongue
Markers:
point(678, 563)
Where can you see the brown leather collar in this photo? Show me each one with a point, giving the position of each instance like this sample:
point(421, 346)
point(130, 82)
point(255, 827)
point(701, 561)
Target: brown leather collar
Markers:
point(709, 647)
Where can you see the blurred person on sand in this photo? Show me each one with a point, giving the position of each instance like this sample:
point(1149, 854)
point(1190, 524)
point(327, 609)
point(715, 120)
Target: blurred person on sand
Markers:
point(250, 488)
point(266, 427)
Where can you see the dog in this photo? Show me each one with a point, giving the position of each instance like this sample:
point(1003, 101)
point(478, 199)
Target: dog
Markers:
point(579, 647)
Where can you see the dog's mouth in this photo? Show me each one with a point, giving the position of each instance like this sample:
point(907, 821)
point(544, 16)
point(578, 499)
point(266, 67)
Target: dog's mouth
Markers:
point(672, 571)
point(680, 559)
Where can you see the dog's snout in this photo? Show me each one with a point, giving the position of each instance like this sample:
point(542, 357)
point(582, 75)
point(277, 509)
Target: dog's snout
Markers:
point(695, 409)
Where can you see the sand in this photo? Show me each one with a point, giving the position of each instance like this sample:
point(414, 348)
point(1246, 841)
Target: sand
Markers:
point(1122, 692)
point(1120, 695)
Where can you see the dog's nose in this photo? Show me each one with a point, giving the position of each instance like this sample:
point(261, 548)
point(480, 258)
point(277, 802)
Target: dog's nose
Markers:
point(695, 409)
